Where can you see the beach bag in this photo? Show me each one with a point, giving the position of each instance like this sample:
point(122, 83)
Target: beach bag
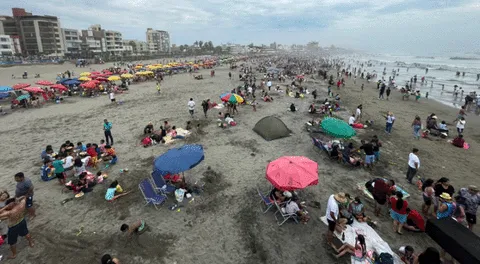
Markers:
point(179, 194)
point(384, 258)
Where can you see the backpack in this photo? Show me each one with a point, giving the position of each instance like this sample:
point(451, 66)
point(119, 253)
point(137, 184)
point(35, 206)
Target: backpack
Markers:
point(384, 258)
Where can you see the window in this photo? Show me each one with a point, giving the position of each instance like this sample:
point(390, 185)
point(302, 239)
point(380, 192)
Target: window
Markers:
point(3, 39)
point(5, 47)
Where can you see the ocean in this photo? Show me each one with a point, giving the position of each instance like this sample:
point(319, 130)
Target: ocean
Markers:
point(441, 70)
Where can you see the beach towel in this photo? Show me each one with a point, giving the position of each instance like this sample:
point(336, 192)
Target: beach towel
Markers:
point(361, 187)
point(168, 140)
point(182, 132)
point(373, 241)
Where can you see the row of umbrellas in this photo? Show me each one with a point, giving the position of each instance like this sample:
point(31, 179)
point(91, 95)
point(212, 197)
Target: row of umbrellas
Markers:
point(285, 173)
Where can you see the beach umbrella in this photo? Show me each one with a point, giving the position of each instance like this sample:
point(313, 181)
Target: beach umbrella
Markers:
point(337, 128)
point(107, 72)
point(33, 89)
point(23, 96)
point(19, 86)
point(85, 74)
point(231, 98)
point(4, 95)
point(72, 82)
point(178, 160)
point(127, 75)
point(114, 78)
point(84, 78)
point(95, 73)
point(44, 83)
point(101, 79)
point(59, 87)
point(292, 173)
point(89, 85)
point(4, 89)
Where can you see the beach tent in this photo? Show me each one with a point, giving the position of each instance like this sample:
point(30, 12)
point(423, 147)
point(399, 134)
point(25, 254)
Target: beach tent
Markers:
point(271, 128)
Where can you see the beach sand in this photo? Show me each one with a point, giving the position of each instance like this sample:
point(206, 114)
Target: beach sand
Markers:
point(225, 224)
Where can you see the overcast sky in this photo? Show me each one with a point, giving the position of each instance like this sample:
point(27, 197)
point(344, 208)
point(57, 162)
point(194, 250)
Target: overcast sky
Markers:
point(420, 27)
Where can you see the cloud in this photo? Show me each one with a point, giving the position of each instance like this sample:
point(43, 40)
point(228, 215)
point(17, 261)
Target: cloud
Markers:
point(376, 25)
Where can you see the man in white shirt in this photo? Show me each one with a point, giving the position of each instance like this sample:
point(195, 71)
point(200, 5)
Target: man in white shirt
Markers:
point(332, 214)
point(351, 120)
point(358, 113)
point(112, 96)
point(191, 106)
point(413, 165)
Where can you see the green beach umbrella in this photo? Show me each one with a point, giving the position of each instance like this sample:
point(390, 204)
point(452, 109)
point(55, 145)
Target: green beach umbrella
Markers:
point(337, 128)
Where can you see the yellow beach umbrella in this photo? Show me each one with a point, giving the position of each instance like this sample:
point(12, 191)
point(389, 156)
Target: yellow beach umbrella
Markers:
point(127, 75)
point(85, 74)
point(114, 78)
point(84, 78)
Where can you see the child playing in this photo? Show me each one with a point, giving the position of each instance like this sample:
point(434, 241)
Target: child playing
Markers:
point(110, 154)
point(59, 169)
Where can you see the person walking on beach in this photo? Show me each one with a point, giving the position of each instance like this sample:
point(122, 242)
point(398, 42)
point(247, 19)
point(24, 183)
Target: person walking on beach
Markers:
point(470, 197)
point(413, 165)
point(25, 188)
point(191, 107)
point(14, 212)
point(382, 91)
point(111, 95)
point(107, 130)
point(230, 75)
point(358, 113)
point(390, 120)
point(417, 126)
point(388, 92)
point(205, 105)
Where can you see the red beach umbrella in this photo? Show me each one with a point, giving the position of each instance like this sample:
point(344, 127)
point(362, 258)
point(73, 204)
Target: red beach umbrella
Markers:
point(89, 85)
point(59, 87)
point(292, 173)
point(19, 86)
point(34, 89)
point(95, 73)
point(101, 79)
point(44, 83)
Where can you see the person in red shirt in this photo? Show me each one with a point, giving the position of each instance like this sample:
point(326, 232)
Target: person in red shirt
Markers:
point(415, 221)
point(92, 152)
point(458, 141)
point(380, 190)
point(398, 211)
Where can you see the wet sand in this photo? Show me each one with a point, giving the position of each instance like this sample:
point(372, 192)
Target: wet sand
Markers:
point(225, 224)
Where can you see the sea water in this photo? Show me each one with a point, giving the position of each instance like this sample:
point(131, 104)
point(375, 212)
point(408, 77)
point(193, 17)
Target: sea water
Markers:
point(441, 70)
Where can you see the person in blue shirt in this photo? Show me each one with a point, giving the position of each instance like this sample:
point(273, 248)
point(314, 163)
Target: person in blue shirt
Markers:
point(46, 170)
point(107, 128)
point(81, 147)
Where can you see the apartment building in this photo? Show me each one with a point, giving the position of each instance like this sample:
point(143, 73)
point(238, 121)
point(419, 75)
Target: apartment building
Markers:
point(114, 42)
point(158, 41)
point(72, 41)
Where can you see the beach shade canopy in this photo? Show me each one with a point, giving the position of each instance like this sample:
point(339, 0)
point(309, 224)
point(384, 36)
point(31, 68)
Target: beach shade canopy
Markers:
point(178, 160)
point(95, 73)
point(231, 98)
point(59, 87)
point(84, 78)
point(271, 128)
point(337, 128)
point(4, 89)
point(23, 96)
point(85, 74)
point(19, 86)
point(44, 83)
point(89, 85)
point(33, 89)
point(72, 82)
point(127, 75)
point(292, 173)
point(4, 95)
point(101, 79)
point(114, 78)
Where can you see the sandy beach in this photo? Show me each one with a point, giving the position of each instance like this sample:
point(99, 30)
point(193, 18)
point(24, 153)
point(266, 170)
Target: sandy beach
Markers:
point(224, 224)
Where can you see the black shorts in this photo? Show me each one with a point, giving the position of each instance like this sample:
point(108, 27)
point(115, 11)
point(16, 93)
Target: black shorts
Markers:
point(427, 200)
point(19, 229)
point(113, 100)
point(60, 175)
point(331, 225)
point(471, 218)
point(191, 112)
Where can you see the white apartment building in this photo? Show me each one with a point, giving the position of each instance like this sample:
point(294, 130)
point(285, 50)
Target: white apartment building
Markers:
point(72, 41)
point(158, 41)
point(114, 42)
point(7, 47)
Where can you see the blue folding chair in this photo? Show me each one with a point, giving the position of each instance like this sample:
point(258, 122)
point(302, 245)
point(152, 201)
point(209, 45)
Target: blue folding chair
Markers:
point(160, 184)
point(149, 194)
point(266, 201)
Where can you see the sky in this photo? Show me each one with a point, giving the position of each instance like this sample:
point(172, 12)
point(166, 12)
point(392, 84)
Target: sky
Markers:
point(417, 27)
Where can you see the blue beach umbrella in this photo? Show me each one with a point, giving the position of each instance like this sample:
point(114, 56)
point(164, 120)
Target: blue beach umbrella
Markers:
point(4, 89)
point(72, 82)
point(178, 160)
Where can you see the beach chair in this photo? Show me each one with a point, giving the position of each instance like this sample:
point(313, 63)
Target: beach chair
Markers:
point(266, 201)
point(149, 194)
point(284, 216)
point(160, 184)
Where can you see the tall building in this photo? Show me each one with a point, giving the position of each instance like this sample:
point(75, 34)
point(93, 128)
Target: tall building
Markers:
point(7, 47)
point(39, 35)
point(72, 42)
point(93, 41)
point(138, 47)
point(114, 42)
point(158, 41)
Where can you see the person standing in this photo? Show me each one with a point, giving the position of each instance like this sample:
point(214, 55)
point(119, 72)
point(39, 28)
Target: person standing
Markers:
point(398, 211)
point(205, 105)
point(191, 107)
point(417, 126)
point(369, 154)
point(390, 120)
point(413, 165)
point(382, 91)
point(25, 188)
point(14, 212)
point(461, 125)
point(358, 113)
point(230, 75)
point(332, 214)
point(111, 95)
point(269, 84)
point(376, 147)
point(107, 129)
point(471, 200)
point(388, 92)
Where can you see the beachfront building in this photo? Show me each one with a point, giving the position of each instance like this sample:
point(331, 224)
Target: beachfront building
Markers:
point(72, 42)
point(114, 42)
point(93, 42)
point(138, 47)
point(158, 41)
point(39, 35)
point(7, 47)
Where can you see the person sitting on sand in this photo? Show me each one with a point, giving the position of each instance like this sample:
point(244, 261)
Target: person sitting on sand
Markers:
point(415, 221)
point(357, 209)
point(359, 251)
point(110, 154)
point(267, 98)
point(79, 167)
point(136, 228)
point(166, 125)
point(407, 254)
point(114, 192)
point(92, 152)
point(292, 206)
point(312, 109)
point(292, 107)
point(189, 125)
point(458, 141)
point(107, 259)
point(148, 128)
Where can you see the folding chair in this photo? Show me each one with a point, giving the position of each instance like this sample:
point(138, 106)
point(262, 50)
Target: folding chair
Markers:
point(284, 215)
point(149, 194)
point(160, 184)
point(266, 201)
